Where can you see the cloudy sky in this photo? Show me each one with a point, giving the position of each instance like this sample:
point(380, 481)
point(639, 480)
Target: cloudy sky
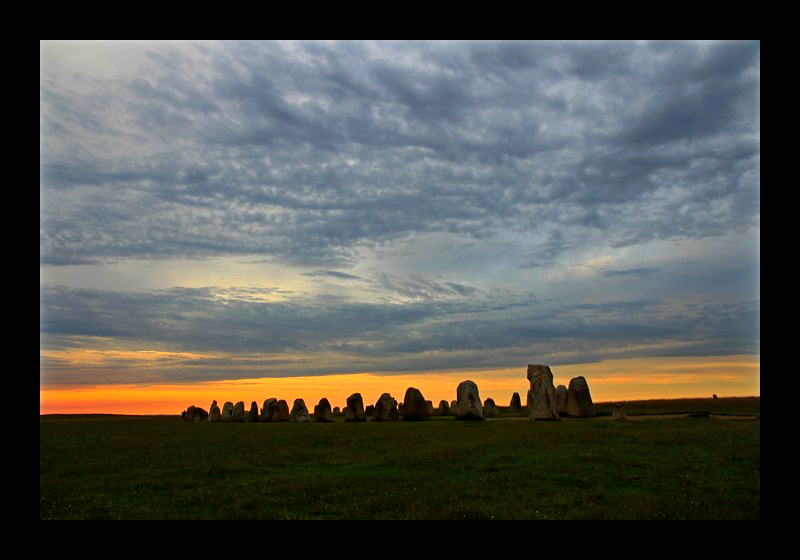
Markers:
point(221, 211)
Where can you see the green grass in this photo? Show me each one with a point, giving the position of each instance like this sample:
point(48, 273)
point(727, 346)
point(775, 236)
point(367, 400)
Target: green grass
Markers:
point(151, 467)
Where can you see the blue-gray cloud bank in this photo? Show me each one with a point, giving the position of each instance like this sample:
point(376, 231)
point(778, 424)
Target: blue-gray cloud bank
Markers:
point(446, 203)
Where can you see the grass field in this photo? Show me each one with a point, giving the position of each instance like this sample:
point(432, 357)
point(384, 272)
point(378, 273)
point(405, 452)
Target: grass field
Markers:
point(702, 466)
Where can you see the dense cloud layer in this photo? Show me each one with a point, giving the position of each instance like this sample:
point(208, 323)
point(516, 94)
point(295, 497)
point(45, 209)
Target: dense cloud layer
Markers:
point(445, 180)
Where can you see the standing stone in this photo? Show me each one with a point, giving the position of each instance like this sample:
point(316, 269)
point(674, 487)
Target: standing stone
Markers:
point(213, 412)
point(369, 411)
point(515, 405)
point(618, 413)
point(280, 412)
point(542, 394)
point(354, 411)
point(454, 408)
point(444, 408)
point(252, 415)
point(268, 408)
point(469, 401)
point(238, 412)
point(299, 412)
point(227, 412)
point(414, 405)
point(490, 409)
point(429, 408)
point(336, 411)
point(579, 401)
point(385, 409)
point(322, 411)
point(562, 397)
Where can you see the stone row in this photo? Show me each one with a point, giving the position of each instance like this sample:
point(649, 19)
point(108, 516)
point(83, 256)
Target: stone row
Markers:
point(545, 402)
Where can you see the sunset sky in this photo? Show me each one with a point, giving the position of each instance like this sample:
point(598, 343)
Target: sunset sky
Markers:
point(245, 220)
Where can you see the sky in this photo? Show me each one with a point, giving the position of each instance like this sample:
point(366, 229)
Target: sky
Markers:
point(244, 220)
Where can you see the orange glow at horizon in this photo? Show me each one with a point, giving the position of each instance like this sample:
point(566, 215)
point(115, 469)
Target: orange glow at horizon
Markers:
point(609, 380)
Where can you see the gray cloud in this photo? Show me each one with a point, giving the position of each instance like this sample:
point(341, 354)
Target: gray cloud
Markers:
point(348, 161)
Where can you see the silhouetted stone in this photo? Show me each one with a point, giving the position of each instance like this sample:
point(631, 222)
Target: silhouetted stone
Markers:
point(714, 396)
point(238, 412)
point(414, 405)
point(213, 412)
point(385, 409)
point(454, 408)
point(336, 411)
point(579, 401)
point(268, 409)
point(562, 396)
point(490, 409)
point(369, 412)
point(280, 412)
point(194, 414)
point(542, 394)
point(469, 401)
point(322, 411)
point(618, 413)
point(515, 405)
point(354, 411)
point(252, 415)
point(299, 412)
point(444, 408)
point(429, 408)
point(227, 412)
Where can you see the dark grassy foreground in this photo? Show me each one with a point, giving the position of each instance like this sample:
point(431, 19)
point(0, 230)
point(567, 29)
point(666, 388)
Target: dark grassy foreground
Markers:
point(159, 467)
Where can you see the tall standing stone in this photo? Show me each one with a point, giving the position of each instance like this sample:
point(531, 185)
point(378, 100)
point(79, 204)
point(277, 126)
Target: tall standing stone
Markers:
point(444, 408)
point(252, 416)
point(542, 394)
point(227, 412)
point(280, 412)
point(516, 404)
point(385, 409)
point(579, 401)
point(562, 396)
point(238, 412)
point(354, 411)
point(213, 412)
point(268, 408)
point(414, 405)
point(322, 411)
point(469, 401)
point(299, 411)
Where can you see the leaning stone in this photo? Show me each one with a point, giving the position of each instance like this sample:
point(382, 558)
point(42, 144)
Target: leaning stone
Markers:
point(238, 412)
point(515, 405)
point(299, 412)
point(252, 415)
point(385, 409)
point(213, 412)
point(562, 397)
point(579, 401)
point(618, 413)
point(354, 412)
point(227, 412)
point(414, 408)
point(542, 394)
point(444, 408)
point(322, 411)
point(490, 409)
point(469, 401)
